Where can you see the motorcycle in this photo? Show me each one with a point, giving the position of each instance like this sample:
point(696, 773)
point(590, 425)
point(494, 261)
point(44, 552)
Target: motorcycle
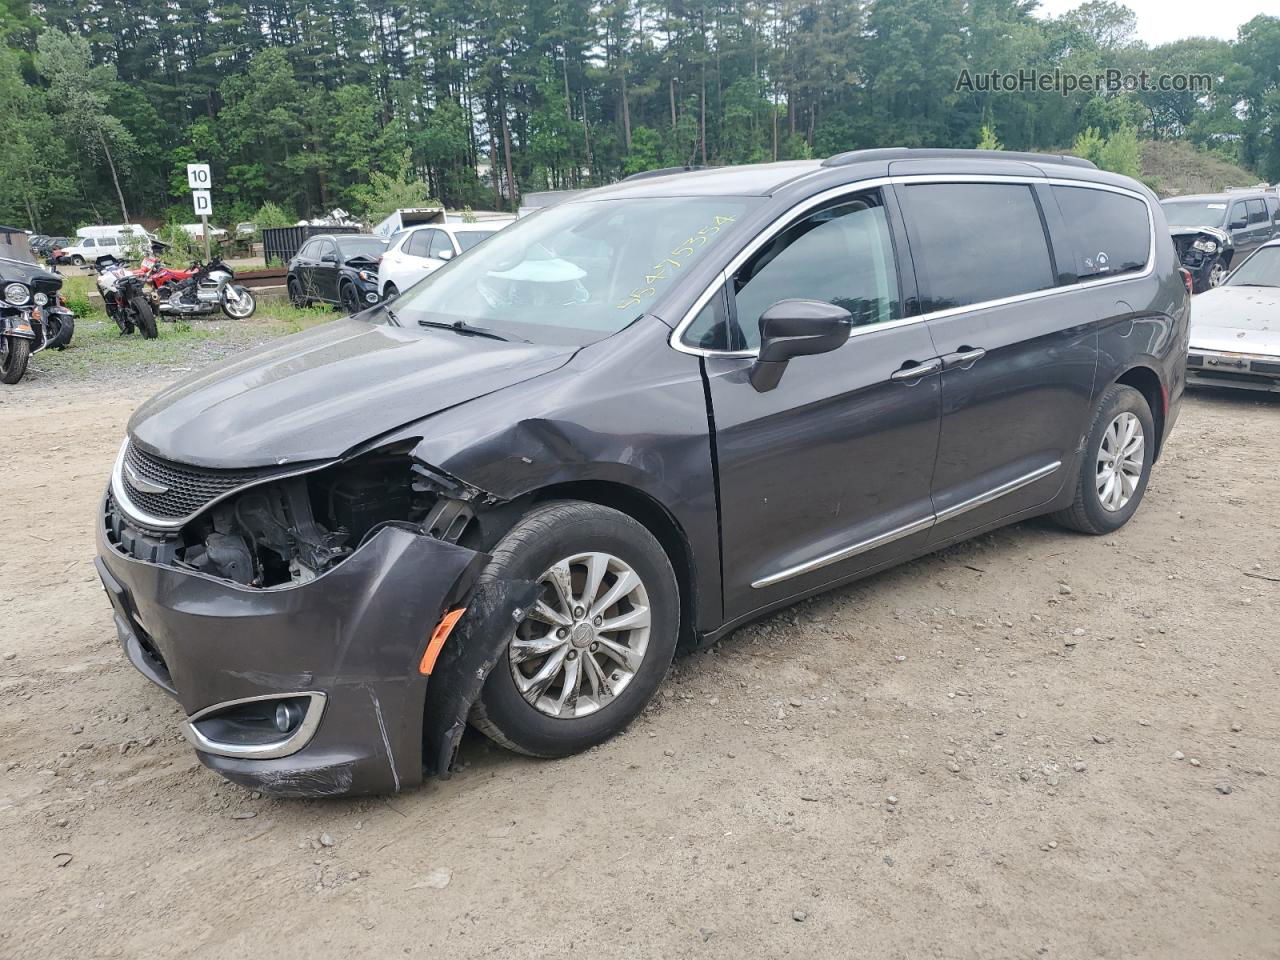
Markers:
point(201, 289)
point(33, 316)
point(125, 299)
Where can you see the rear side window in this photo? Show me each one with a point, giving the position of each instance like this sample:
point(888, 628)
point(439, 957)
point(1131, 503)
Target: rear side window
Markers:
point(974, 242)
point(1257, 211)
point(1109, 232)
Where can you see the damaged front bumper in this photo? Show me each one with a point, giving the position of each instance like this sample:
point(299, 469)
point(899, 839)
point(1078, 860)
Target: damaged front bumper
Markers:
point(339, 655)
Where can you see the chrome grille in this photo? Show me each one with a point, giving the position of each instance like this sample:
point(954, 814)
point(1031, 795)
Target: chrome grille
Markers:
point(188, 489)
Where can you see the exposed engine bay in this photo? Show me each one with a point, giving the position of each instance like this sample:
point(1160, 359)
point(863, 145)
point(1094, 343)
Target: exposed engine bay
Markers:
point(292, 530)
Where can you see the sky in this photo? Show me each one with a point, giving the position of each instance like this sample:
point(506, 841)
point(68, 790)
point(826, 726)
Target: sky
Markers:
point(1162, 21)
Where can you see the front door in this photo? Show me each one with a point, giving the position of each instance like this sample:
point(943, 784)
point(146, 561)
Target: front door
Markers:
point(828, 474)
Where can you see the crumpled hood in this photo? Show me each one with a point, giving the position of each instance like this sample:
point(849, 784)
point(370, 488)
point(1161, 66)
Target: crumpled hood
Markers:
point(317, 394)
point(1237, 319)
point(1220, 235)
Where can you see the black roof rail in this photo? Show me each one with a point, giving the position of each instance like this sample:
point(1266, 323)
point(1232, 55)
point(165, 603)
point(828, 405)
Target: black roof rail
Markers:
point(663, 172)
point(914, 153)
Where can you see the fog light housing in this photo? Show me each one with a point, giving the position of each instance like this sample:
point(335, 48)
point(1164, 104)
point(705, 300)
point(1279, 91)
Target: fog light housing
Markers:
point(263, 727)
point(371, 297)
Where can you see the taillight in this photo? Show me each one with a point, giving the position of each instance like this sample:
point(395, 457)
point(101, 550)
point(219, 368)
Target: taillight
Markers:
point(1186, 278)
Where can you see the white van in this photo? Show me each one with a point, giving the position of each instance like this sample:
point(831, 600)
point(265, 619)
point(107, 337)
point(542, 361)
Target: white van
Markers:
point(114, 240)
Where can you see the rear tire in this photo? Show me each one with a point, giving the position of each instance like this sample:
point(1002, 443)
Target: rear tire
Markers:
point(144, 318)
point(295, 295)
point(1110, 486)
point(350, 299)
point(607, 691)
point(13, 359)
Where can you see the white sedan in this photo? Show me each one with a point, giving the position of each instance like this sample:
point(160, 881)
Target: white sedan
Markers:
point(1235, 328)
point(416, 252)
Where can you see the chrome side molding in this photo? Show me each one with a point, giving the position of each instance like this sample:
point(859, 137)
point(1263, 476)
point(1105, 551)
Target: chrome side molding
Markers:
point(917, 526)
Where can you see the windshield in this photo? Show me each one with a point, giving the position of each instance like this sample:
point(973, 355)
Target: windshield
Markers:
point(576, 272)
point(371, 247)
point(1260, 270)
point(1196, 213)
point(469, 238)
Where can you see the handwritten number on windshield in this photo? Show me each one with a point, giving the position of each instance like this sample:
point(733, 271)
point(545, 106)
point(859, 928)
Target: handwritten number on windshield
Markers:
point(663, 269)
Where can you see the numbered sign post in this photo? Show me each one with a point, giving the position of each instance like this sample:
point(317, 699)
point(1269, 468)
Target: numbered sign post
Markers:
point(200, 180)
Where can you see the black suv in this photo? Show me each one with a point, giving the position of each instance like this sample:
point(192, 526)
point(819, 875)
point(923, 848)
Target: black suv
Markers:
point(340, 268)
point(1214, 231)
point(646, 415)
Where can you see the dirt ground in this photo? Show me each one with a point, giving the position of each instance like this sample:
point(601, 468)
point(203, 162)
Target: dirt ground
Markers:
point(1034, 745)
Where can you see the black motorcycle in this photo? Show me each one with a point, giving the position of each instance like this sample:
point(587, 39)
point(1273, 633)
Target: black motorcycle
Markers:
point(33, 316)
point(125, 298)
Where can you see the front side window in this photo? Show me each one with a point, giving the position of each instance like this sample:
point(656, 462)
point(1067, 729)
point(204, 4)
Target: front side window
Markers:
point(975, 242)
point(87, 242)
point(578, 271)
point(1239, 216)
point(1257, 211)
point(441, 246)
point(841, 254)
point(418, 243)
point(1109, 232)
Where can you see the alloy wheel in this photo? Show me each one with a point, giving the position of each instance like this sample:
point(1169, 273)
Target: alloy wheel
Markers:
point(1218, 274)
point(585, 638)
point(1121, 457)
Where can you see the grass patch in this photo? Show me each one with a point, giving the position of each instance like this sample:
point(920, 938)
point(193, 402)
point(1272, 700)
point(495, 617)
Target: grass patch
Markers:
point(99, 351)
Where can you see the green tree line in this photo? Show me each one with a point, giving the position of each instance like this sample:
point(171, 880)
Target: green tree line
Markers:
point(306, 103)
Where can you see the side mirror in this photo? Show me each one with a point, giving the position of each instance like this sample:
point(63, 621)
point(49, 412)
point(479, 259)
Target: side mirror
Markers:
point(796, 328)
point(329, 258)
point(1239, 224)
point(445, 255)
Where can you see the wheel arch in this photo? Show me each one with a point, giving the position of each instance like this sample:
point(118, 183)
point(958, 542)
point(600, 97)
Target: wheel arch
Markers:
point(1147, 382)
point(642, 508)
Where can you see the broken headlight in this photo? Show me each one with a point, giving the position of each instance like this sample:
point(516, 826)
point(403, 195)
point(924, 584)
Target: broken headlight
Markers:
point(1206, 246)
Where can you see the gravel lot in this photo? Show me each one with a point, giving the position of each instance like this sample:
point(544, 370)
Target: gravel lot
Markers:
point(1034, 745)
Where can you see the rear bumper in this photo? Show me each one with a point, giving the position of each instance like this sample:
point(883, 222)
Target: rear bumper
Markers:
point(354, 635)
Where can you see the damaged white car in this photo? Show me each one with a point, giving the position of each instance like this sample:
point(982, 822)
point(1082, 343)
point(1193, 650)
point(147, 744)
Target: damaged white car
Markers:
point(1235, 328)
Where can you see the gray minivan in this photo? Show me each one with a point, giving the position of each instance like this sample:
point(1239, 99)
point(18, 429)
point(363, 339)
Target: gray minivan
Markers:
point(640, 417)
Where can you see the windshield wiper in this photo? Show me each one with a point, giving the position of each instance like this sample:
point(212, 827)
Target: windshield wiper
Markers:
point(461, 326)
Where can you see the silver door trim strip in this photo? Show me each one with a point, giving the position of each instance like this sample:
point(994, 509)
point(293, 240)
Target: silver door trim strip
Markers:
point(996, 493)
point(884, 539)
point(857, 186)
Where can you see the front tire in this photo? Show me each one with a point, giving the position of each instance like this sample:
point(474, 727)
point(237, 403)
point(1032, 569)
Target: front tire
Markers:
point(241, 307)
point(1116, 464)
point(14, 353)
point(144, 318)
point(596, 646)
point(1217, 274)
point(390, 292)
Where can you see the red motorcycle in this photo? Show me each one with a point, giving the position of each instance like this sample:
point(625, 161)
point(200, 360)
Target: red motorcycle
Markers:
point(202, 289)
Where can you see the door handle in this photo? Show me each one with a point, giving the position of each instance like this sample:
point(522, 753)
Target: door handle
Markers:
point(964, 358)
point(917, 370)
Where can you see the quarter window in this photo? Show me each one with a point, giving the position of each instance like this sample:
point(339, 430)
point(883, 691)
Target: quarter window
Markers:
point(1109, 232)
point(841, 254)
point(974, 242)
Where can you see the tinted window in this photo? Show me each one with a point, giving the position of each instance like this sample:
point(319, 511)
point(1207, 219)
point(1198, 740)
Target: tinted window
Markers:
point(1257, 211)
point(419, 240)
point(1238, 214)
point(973, 242)
point(441, 245)
point(842, 255)
point(1109, 232)
point(308, 250)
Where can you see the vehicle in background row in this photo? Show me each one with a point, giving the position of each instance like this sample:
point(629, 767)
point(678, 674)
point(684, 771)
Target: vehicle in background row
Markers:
point(119, 241)
point(649, 414)
point(125, 298)
point(1214, 231)
point(340, 268)
point(197, 291)
point(33, 316)
point(414, 253)
point(1235, 328)
point(44, 246)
